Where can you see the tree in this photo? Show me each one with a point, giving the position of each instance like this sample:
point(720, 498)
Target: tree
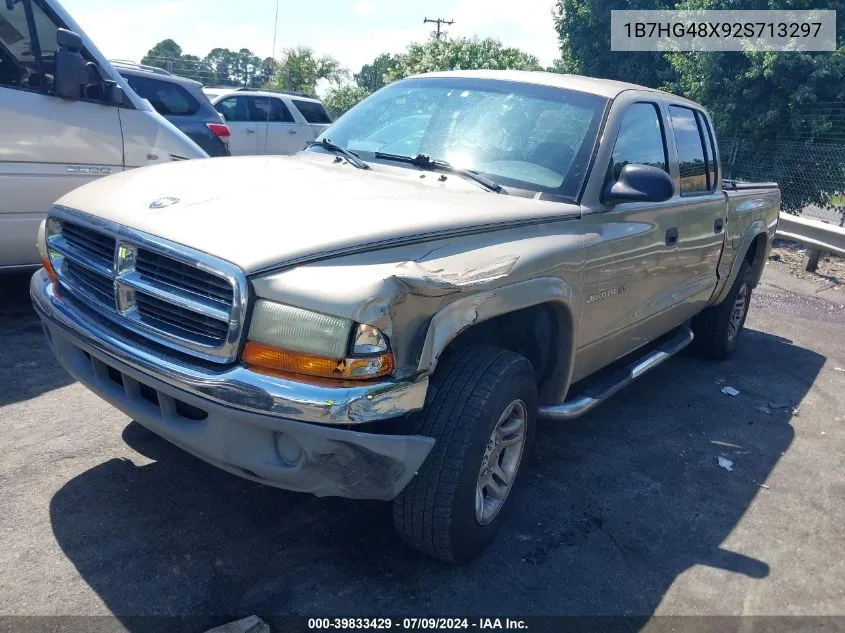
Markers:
point(223, 65)
point(339, 99)
point(266, 70)
point(163, 53)
point(168, 54)
point(784, 109)
point(583, 28)
point(300, 69)
point(778, 114)
point(372, 76)
point(458, 54)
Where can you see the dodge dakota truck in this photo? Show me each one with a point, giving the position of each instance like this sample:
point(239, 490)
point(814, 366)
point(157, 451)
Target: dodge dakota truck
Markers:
point(388, 314)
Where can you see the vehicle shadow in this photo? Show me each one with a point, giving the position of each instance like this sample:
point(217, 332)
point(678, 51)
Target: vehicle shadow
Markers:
point(613, 508)
point(27, 366)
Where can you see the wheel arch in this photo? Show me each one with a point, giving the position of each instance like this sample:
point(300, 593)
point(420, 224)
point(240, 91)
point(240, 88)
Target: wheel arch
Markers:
point(753, 247)
point(757, 254)
point(533, 318)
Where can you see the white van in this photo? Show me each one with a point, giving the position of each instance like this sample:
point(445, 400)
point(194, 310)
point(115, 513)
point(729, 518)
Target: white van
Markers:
point(66, 117)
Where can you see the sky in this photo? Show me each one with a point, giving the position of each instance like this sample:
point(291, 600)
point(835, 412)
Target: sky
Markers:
point(353, 31)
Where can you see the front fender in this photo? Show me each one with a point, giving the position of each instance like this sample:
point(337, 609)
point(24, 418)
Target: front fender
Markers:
point(471, 310)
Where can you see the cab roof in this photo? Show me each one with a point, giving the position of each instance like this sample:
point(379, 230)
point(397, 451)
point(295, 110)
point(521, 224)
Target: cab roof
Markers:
point(602, 87)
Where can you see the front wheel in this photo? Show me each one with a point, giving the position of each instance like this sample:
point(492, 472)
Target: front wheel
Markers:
point(718, 328)
point(481, 409)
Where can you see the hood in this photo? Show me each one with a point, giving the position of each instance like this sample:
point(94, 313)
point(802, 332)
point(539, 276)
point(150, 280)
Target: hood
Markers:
point(265, 212)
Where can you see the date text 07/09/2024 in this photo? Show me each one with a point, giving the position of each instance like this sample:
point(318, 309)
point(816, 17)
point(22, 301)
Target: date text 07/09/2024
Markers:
point(435, 624)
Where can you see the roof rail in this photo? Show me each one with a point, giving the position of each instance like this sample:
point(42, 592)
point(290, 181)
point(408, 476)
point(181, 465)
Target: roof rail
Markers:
point(293, 93)
point(125, 63)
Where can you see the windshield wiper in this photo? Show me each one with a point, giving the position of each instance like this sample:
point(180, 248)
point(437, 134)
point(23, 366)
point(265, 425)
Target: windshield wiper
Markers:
point(425, 161)
point(352, 157)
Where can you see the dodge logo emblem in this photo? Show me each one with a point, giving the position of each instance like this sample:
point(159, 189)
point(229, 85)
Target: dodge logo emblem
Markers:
point(163, 202)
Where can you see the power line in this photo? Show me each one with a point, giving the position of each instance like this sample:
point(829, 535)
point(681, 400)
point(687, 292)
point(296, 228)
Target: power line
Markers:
point(438, 22)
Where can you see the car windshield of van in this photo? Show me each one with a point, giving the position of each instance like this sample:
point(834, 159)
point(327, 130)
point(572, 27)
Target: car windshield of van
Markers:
point(520, 135)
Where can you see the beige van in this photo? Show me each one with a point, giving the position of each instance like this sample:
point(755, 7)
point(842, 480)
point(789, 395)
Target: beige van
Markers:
point(66, 118)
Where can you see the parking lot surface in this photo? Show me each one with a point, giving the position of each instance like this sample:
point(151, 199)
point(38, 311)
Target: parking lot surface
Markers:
point(625, 511)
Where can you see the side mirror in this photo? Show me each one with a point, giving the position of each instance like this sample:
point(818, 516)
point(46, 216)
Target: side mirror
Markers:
point(98, 86)
point(71, 72)
point(68, 39)
point(112, 93)
point(639, 183)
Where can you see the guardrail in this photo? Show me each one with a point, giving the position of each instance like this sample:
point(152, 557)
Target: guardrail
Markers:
point(818, 237)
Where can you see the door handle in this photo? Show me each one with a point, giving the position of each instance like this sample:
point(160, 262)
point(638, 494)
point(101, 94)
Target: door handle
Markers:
point(291, 131)
point(250, 131)
point(718, 225)
point(672, 236)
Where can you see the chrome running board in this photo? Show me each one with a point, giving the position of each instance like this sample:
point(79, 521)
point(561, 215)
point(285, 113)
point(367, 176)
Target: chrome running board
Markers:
point(580, 405)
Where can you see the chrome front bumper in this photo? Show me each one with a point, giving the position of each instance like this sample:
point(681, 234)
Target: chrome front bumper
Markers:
point(233, 386)
point(279, 432)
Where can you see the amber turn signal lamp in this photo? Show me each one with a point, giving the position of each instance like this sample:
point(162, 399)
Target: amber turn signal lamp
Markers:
point(51, 272)
point(258, 356)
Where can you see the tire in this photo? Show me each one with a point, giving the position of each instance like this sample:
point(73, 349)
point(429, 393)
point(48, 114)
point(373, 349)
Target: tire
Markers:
point(468, 397)
point(718, 328)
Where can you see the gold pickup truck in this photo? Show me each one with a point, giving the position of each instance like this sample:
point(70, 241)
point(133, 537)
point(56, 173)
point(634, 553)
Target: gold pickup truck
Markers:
point(388, 314)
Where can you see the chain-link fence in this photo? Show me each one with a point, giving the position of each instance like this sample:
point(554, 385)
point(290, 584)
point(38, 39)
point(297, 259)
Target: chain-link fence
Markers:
point(811, 175)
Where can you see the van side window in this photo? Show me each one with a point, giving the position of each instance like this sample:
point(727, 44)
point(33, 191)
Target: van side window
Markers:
point(18, 68)
point(18, 53)
point(691, 157)
point(640, 140)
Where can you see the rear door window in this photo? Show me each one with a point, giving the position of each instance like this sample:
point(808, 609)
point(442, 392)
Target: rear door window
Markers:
point(234, 109)
point(710, 145)
point(167, 98)
point(312, 112)
point(692, 161)
point(269, 109)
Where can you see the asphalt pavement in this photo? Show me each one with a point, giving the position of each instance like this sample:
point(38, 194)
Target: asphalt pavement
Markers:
point(626, 511)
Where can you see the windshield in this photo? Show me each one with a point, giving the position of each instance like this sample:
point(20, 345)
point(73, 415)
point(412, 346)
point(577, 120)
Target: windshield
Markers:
point(520, 135)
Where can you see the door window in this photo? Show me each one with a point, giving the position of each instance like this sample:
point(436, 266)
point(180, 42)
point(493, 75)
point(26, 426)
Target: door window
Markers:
point(640, 140)
point(234, 109)
point(167, 98)
point(18, 53)
point(692, 161)
point(269, 109)
point(312, 112)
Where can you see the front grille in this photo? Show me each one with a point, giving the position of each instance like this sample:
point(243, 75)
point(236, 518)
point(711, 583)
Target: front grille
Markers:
point(97, 286)
point(98, 246)
point(168, 293)
point(163, 315)
point(179, 275)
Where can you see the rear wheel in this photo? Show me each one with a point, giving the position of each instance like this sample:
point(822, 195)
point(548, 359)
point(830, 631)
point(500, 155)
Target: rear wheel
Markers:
point(481, 409)
point(718, 328)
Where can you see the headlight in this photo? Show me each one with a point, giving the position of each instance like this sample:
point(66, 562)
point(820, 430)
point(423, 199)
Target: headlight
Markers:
point(290, 340)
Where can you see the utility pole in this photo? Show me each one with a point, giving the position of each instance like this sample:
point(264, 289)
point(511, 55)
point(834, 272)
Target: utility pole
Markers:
point(438, 22)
